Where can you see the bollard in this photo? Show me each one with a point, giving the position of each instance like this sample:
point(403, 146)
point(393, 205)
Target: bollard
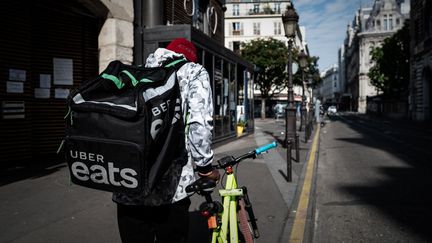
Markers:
point(297, 145)
point(289, 167)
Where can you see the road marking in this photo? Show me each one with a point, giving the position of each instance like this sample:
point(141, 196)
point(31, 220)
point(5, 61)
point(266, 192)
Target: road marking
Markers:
point(299, 225)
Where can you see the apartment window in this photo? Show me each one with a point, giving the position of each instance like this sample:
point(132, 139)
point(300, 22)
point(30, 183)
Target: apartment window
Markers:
point(277, 8)
point(277, 28)
point(397, 21)
point(256, 8)
point(378, 24)
point(385, 24)
point(388, 22)
point(236, 46)
point(236, 28)
point(236, 10)
point(256, 28)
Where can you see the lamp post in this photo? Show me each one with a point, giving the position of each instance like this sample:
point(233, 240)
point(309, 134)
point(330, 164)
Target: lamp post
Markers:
point(290, 19)
point(303, 62)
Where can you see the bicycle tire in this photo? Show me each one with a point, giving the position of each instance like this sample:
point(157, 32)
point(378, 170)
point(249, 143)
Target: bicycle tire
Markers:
point(245, 229)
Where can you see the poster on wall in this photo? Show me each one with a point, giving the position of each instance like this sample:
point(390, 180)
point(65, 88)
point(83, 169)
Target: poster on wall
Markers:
point(42, 93)
point(63, 71)
point(45, 81)
point(17, 75)
point(14, 87)
point(61, 93)
point(13, 109)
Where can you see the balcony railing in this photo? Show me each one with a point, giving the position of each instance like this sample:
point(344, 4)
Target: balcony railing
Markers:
point(237, 32)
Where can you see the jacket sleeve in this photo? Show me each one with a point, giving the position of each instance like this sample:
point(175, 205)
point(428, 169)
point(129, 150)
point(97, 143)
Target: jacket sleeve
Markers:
point(200, 121)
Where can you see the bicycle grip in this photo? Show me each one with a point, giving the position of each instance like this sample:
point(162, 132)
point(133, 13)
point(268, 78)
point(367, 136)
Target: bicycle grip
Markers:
point(266, 147)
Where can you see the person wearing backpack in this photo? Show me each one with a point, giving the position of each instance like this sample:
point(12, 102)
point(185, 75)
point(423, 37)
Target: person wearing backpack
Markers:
point(169, 221)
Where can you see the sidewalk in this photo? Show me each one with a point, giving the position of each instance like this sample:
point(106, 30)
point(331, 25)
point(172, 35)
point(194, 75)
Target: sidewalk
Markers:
point(46, 208)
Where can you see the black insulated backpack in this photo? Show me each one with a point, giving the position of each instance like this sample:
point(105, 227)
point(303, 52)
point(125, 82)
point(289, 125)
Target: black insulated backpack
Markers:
point(125, 132)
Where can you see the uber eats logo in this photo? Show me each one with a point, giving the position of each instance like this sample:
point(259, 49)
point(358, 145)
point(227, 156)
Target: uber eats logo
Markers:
point(92, 167)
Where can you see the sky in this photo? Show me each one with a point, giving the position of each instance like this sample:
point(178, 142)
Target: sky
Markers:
point(326, 25)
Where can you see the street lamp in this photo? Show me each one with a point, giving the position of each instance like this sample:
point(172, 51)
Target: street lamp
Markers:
point(303, 62)
point(290, 19)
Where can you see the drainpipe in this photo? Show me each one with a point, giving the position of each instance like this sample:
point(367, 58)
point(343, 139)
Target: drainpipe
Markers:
point(152, 12)
point(138, 51)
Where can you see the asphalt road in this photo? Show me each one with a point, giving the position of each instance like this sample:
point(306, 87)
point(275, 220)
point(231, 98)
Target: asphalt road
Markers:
point(373, 182)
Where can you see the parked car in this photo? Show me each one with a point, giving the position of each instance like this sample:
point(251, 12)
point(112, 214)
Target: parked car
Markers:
point(332, 109)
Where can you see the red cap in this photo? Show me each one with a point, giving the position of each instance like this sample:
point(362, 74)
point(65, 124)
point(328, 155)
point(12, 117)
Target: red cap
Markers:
point(185, 47)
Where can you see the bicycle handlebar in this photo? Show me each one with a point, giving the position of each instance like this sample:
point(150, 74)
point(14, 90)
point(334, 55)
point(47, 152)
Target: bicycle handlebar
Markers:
point(230, 161)
point(264, 148)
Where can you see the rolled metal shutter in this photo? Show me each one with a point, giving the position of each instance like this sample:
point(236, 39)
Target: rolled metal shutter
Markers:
point(40, 32)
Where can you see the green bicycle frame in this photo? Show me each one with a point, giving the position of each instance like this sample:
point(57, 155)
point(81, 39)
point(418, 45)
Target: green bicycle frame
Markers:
point(229, 213)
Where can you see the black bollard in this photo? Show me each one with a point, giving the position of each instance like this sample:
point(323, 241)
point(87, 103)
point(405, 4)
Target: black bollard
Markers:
point(297, 145)
point(289, 166)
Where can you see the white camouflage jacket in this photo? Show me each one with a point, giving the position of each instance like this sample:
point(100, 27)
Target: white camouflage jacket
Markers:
point(196, 97)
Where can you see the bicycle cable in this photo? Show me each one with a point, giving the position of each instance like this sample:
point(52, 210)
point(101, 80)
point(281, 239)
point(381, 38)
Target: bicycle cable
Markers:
point(221, 179)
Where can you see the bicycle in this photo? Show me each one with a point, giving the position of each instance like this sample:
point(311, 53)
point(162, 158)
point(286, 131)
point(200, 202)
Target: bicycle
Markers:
point(236, 207)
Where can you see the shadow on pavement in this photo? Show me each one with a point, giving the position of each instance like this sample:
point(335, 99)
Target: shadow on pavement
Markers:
point(17, 171)
point(404, 193)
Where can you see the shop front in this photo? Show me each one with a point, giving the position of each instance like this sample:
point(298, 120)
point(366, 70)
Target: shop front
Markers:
point(231, 77)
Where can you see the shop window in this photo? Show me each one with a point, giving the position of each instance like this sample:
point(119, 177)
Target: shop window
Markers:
point(232, 97)
point(218, 98)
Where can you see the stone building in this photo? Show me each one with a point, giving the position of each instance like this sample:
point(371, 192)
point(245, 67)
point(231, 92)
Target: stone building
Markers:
point(421, 60)
point(328, 91)
point(369, 29)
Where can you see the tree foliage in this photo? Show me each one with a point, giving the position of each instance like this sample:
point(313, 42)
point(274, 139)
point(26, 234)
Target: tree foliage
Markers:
point(390, 72)
point(311, 72)
point(269, 57)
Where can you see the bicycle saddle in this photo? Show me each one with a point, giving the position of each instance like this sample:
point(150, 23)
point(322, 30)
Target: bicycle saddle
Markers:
point(200, 185)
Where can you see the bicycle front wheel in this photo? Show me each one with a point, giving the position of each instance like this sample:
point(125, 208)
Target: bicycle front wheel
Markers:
point(245, 229)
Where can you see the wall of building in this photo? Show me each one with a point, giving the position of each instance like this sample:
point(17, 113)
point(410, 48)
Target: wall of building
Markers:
point(421, 60)
point(116, 36)
point(369, 29)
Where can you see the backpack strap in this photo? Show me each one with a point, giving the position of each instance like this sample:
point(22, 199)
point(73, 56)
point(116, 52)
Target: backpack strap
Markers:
point(130, 76)
point(118, 83)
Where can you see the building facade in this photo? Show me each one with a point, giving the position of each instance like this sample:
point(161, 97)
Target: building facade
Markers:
point(420, 101)
point(328, 91)
point(369, 29)
point(54, 46)
point(246, 20)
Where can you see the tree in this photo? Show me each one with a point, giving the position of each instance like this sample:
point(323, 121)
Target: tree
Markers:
point(311, 72)
point(270, 58)
point(390, 72)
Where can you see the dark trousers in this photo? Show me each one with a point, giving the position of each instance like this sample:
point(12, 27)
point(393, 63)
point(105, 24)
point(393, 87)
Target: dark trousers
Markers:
point(161, 224)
